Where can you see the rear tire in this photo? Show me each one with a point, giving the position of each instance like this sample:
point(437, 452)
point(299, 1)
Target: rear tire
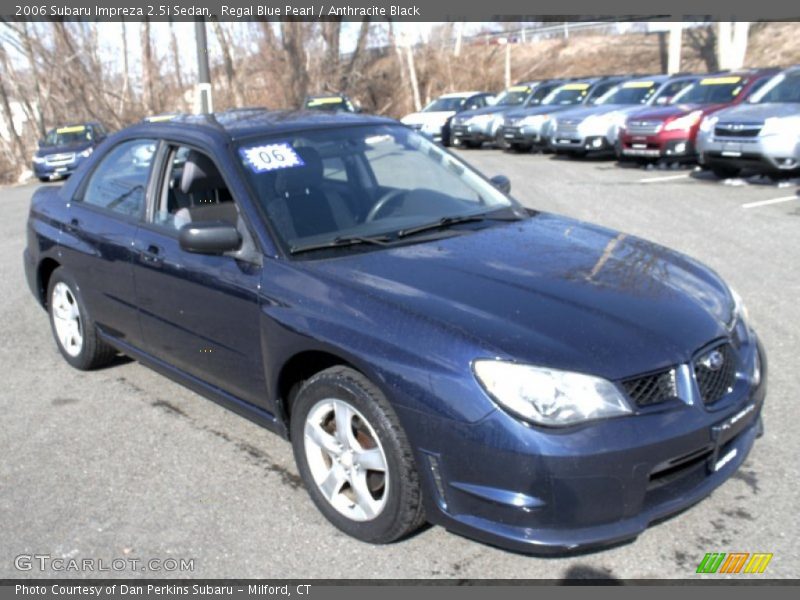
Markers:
point(354, 457)
point(73, 328)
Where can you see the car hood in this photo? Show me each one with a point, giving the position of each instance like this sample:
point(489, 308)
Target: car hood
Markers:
point(664, 113)
point(579, 114)
point(427, 118)
point(540, 109)
point(759, 112)
point(45, 150)
point(550, 291)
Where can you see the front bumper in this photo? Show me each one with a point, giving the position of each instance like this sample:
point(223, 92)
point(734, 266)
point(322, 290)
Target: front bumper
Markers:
point(464, 132)
point(657, 146)
point(59, 169)
point(547, 491)
point(523, 135)
point(764, 154)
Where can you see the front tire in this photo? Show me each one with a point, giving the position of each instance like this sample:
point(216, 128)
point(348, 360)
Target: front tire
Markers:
point(73, 328)
point(724, 172)
point(354, 457)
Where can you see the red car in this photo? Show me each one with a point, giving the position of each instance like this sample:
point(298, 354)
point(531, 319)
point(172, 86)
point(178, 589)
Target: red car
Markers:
point(669, 132)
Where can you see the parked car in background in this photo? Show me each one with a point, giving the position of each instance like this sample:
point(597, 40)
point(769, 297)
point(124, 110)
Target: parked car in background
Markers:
point(64, 148)
point(330, 102)
point(433, 121)
point(528, 127)
point(670, 132)
point(432, 349)
point(471, 128)
point(594, 129)
point(759, 135)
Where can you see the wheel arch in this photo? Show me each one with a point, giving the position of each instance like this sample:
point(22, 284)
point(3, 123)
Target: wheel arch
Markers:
point(300, 367)
point(43, 273)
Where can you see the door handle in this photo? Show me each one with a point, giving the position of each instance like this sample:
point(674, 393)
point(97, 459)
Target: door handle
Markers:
point(74, 224)
point(152, 256)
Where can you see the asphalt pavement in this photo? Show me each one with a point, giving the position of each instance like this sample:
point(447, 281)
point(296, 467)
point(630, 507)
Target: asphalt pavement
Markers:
point(124, 464)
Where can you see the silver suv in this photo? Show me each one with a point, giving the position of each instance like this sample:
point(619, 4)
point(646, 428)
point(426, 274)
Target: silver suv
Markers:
point(594, 129)
point(528, 127)
point(762, 134)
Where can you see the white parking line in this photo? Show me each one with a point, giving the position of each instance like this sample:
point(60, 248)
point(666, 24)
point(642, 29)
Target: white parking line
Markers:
point(667, 178)
point(766, 202)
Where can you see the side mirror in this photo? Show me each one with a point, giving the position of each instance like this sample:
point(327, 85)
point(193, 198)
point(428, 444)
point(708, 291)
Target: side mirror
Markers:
point(502, 183)
point(209, 237)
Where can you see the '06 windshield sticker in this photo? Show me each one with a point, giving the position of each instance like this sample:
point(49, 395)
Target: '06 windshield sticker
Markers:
point(270, 157)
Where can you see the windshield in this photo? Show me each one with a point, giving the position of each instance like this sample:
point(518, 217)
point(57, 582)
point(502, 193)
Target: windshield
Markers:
point(66, 136)
point(445, 105)
point(782, 88)
point(324, 185)
point(632, 92)
point(540, 93)
point(571, 93)
point(717, 90)
point(513, 96)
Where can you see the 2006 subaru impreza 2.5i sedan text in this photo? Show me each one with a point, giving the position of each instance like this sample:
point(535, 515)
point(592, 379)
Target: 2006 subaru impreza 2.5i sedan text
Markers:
point(433, 350)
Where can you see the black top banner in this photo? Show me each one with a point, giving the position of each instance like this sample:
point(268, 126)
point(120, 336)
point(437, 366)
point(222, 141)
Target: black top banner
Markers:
point(399, 10)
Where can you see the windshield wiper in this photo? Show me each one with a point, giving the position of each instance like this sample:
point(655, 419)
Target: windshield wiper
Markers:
point(446, 222)
point(342, 241)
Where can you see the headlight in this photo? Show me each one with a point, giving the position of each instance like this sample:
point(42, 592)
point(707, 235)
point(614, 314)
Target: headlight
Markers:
point(480, 119)
point(87, 153)
point(38, 159)
point(684, 122)
point(708, 123)
point(739, 309)
point(548, 396)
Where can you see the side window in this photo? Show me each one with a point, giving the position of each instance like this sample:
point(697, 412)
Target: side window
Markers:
point(119, 182)
point(193, 190)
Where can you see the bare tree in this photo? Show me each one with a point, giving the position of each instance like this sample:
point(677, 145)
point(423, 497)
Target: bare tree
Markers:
point(227, 60)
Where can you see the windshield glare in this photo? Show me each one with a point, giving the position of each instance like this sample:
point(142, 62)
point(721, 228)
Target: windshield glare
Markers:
point(630, 93)
point(566, 96)
point(316, 186)
point(445, 105)
point(782, 88)
point(513, 97)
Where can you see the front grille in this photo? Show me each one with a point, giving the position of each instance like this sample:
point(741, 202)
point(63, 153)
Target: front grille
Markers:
point(737, 130)
point(644, 127)
point(567, 128)
point(715, 372)
point(60, 159)
point(652, 389)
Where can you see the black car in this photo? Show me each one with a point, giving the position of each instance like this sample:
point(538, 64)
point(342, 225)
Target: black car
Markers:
point(64, 148)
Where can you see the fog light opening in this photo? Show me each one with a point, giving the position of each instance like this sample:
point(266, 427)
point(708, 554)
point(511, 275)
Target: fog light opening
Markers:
point(433, 463)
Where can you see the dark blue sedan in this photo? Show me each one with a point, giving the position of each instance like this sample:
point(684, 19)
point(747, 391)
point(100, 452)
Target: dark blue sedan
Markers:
point(433, 350)
point(64, 148)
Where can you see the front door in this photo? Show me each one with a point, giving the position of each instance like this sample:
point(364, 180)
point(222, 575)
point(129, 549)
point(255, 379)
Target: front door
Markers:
point(198, 312)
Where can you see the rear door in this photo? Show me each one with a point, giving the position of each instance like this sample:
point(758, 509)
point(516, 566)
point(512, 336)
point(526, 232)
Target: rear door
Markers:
point(97, 245)
point(199, 313)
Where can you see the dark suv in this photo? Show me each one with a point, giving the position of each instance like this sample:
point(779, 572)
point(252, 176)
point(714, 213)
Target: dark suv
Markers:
point(64, 148)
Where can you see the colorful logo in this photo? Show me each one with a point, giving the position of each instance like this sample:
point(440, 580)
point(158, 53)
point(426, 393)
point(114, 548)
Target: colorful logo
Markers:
point(734, 562)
